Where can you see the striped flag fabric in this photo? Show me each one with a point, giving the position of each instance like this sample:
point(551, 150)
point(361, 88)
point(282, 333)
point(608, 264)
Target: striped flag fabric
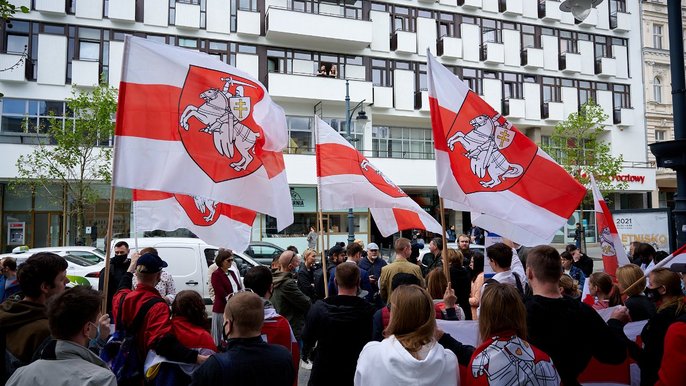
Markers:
point(348, 180)
point(487, 166)
point(218, 224)
point(611, 247)
point(191, 124)
point(677, 257)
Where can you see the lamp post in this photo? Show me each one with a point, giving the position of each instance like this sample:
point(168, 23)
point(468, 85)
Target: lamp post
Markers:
point(672, 154)
point(360, 119)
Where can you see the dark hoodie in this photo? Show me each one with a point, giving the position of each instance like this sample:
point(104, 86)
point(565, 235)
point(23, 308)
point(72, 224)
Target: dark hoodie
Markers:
point(340, 326)
point(26, 327)
point(118, 267)
point(289, 301)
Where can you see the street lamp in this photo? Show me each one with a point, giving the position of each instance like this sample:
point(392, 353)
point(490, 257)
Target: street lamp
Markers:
point(360, 120)
point(579, 8)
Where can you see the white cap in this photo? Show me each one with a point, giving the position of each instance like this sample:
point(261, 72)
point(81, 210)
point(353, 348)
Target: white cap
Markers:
point(372, 246)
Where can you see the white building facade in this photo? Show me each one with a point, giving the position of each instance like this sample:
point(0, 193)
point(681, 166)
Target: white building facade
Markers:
point(527, 59)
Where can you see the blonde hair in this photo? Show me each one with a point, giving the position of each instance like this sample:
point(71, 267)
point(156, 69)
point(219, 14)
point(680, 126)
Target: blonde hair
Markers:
point(628, 275)
point(413, 318)
point(436, 283)
point(309, 251)
point(454, 257)
point(569, 286)
point(502, 310)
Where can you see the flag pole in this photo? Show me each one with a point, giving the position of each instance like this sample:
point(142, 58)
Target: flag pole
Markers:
point(108, 251)
point(319, 212)
point(444, 254)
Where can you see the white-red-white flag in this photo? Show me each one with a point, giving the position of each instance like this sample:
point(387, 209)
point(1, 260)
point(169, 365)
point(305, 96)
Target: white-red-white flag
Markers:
point(485, 165)
point(611, 247)
point(218, 224)
point(189, 123)
point(348, 180)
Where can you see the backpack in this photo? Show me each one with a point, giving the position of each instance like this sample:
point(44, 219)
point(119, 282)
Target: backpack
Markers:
point(520, 289)
point(120, 353)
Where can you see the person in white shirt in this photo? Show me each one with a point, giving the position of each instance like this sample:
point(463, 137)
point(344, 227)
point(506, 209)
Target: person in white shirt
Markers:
point(508, 269)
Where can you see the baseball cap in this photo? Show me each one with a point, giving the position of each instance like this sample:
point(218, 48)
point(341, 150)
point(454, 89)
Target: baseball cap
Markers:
point(151, 263)
point(372, 246)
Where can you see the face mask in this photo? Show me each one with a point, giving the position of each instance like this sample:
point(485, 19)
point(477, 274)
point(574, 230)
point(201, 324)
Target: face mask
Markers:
point(93, 341)
point(297, 269)
point(653, 294)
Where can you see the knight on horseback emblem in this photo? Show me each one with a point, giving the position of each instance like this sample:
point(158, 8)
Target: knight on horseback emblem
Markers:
point(223, 114)
point(483, 145)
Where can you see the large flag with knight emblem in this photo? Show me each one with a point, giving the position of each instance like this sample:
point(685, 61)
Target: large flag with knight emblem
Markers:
point(190, 124)
point(486, 166)
point(611, 247)
point(348, 180)
point(215, 223)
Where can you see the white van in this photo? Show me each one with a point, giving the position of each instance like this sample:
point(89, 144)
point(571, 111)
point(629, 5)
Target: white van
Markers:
point(188, 260)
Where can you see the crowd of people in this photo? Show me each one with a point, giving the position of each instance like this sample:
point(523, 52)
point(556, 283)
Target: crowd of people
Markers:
point(360, 321)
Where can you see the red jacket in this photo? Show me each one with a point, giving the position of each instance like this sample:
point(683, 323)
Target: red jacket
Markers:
point(222, 288)
point(277, 330)
point(156, 323)
point(190, 335)
point(674, 359)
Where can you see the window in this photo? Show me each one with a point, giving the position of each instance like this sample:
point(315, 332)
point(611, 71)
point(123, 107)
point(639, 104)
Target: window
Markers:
point(657, 90)
point(381, 73)
point(586, 92)
point(657, 36)
point(448, 25)
point(402, 142)
point(242, 5)
point(660, 135)
point(602, 49)
point(300, 135)
point(89, 44)
point(550, 89)
point(16, 36)
point(473, 79)
point(512, 86)
point(491, 31)
point(567, 43)
point(30, 116)
point(621, 96)
point(529, 37)
point(402, 19)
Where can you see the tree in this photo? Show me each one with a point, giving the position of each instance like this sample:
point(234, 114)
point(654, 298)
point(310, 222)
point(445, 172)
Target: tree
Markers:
point(577, 144)
point(8, 9)
point(71, 154)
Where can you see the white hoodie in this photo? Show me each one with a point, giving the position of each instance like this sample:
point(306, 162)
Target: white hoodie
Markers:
point(389, 363)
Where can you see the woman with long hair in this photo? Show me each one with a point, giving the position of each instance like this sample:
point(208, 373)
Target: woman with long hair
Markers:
point(605, 291)
point(436, 285)
point(664, 289)
point(640, 307)
point(223, 287)
point(477, 267)
point(503, 353)
point(459, 280)
point(409, 354)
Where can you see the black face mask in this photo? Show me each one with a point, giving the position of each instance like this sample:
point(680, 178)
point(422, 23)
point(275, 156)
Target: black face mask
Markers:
point(653, 294)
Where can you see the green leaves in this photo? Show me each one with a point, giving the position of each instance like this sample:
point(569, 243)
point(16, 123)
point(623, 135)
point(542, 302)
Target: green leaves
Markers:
point(579, 145)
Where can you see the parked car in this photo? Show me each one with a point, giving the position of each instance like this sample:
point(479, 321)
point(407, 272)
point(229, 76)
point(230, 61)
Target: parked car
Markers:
point(84, 263)
point(188, 260)
point(263, 252)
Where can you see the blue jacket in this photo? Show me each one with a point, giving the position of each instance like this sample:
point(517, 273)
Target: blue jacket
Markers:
point(577, 274)
point(364, 283)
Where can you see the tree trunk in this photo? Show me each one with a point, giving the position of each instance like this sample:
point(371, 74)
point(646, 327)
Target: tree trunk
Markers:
point(80, 220)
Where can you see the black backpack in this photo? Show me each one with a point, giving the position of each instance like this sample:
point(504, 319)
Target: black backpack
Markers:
point(120, 353)
point(520, 288)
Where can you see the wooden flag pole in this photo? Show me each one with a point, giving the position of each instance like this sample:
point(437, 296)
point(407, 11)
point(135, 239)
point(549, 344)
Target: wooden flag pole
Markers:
point(108, 252)
point(444, 251)
point(319, 213)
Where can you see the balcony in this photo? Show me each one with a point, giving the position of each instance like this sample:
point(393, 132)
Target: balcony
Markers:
point(18, 68)
point(532, 58)
point(549, 10)
point(311, 88)
point(248, 23)
point(620, 22)
point(606, 67)
point(469, 4)
point(404, 42)
point(427, 1)
point(514, 108)
point(590, 21)
point(85, 73)
point(383, 97)
point(570, 63)
point(122, 10)
point(449, 47)
point(187, 15)
point(553, 111)
point(317, 30)
point(492, 53)
point(510, 7)
point(51, 6)
point(623, 116)
point(421, 100)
